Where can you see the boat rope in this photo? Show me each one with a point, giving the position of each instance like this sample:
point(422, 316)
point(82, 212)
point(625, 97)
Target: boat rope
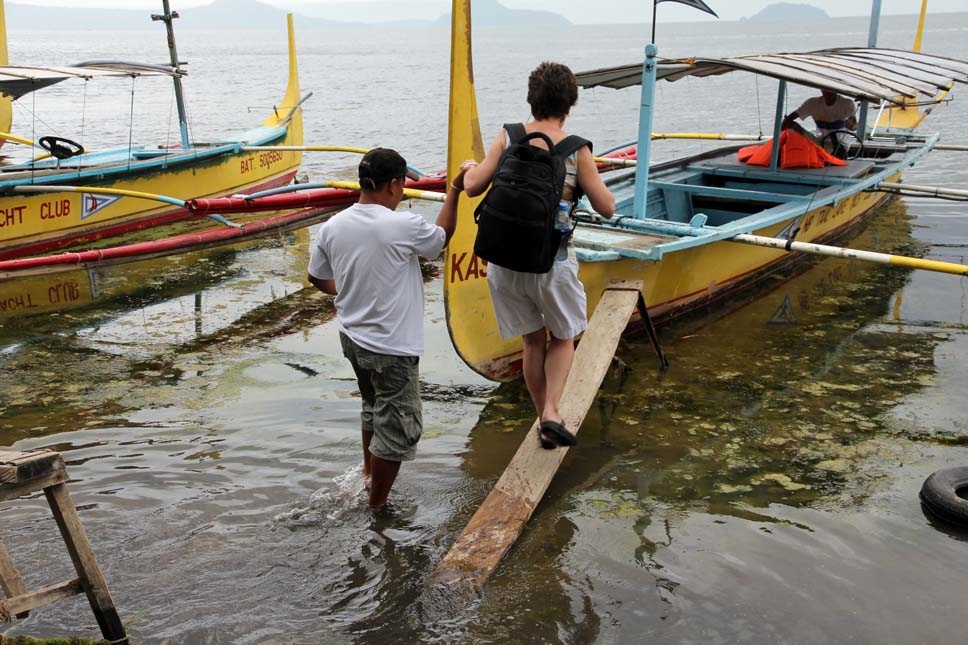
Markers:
point(131, 123)
point(759, 114)
point(84, 110)
point(171, 109)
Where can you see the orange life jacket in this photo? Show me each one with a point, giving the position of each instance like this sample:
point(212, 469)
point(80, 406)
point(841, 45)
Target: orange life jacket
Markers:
point(796, 151)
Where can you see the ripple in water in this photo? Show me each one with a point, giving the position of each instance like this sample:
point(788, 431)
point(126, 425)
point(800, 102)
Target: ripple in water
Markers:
point(328, 506)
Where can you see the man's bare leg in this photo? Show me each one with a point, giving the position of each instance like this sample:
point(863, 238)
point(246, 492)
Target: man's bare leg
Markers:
point(367, 464)
point(383, 474)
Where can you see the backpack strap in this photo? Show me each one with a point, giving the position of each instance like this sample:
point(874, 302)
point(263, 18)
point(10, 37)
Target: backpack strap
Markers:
point(567, 147)
point(571, 144)
point(515, 131)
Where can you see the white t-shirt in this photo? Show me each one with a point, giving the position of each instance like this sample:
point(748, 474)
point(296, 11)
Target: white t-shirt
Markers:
point(371, 252)
point(825, 115)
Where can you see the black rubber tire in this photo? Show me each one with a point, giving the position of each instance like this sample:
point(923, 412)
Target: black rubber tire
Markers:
point(939, 494)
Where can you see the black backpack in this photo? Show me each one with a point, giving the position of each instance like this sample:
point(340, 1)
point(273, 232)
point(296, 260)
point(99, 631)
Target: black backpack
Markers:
point(516, 219)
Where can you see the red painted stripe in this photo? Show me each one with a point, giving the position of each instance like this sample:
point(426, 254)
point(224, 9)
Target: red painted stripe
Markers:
point(86, 236)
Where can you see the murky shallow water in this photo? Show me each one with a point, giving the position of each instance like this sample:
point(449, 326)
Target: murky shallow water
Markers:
point(763, 489)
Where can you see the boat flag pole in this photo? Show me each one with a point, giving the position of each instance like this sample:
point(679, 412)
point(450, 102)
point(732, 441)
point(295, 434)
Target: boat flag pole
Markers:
point(168, 17)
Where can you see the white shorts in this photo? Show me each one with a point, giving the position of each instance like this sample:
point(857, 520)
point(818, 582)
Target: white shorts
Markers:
point(526, 302)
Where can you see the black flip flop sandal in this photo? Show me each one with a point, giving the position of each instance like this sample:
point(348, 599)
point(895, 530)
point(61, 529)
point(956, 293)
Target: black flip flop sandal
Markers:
point(547, 444)
point(559, 432)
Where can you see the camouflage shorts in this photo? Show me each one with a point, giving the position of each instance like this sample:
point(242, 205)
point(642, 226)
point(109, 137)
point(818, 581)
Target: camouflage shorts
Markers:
point(390, 389)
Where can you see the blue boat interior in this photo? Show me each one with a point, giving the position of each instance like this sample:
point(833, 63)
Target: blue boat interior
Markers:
point(715, 196)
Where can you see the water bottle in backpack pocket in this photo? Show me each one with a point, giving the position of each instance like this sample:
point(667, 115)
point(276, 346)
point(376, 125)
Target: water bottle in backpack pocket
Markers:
point(564, 227)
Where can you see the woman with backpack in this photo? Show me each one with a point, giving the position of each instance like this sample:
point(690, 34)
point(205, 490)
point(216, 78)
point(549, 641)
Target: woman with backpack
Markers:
point(536, 305)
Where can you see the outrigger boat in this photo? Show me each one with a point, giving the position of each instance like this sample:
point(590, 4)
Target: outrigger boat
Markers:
point(44, 204)
point(697, 228)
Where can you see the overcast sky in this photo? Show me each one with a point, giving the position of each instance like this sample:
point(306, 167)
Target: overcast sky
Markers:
point(578, 11)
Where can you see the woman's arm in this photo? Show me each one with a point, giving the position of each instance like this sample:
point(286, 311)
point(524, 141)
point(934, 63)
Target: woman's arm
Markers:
point(478, 176)
point(601, 198)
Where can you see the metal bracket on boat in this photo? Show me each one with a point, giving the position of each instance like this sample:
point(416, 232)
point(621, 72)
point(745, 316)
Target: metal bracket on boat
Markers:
point(698, 220)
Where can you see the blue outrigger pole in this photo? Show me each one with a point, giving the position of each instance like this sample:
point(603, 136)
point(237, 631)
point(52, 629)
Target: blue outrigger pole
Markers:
point(646, 109)
point(644, 144)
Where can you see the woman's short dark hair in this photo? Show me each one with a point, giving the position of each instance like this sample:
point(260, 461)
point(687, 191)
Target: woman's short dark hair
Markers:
point(552, 91)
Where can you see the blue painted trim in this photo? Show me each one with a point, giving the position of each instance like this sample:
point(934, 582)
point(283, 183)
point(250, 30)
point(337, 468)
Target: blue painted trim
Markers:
point(731, 193)
point(118, 156)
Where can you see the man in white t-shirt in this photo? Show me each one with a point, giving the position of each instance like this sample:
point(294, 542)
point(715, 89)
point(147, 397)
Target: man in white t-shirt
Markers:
point(366, 256)
point(830, 113)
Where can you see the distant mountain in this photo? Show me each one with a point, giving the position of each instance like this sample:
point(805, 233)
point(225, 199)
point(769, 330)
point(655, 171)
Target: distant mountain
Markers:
point(227, 14)
point(244, 14)
point(789, 12)
point(491, 13)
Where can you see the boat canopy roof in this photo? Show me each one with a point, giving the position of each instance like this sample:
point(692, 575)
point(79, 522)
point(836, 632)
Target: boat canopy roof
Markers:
point(15, 81)
point(871, 73)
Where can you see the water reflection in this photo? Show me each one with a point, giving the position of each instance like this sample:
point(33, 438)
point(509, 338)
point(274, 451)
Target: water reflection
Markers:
point(781, 403)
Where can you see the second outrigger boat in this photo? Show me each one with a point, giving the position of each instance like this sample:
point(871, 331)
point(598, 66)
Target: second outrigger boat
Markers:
point(37, 213)
point(685, 227)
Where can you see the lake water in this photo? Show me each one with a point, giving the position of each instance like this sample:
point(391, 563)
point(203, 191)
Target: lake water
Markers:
point(764, 489)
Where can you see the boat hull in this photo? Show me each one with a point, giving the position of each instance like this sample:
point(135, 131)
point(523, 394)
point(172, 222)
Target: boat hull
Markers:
point(39, 222)
point(674, 286)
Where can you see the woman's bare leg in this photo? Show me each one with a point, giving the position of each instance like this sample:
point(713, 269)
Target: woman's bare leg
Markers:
point(533, 366)
point(557, 364)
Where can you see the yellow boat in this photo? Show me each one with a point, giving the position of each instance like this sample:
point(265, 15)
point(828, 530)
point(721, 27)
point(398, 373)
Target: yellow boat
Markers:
point(698, 228)
point(36, 216)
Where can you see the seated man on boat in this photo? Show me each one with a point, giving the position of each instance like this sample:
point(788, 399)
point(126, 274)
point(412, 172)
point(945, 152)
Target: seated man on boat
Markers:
point(367, 256)
point(831, 113)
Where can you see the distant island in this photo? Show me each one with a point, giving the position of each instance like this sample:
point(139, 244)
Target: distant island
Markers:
point(244, 14)
point(491, 13)
point(789, 12)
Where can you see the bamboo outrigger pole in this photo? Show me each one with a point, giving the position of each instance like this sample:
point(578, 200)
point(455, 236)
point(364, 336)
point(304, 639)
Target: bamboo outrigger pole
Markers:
point(352, 149)
point(929, 191)
point(854, 254)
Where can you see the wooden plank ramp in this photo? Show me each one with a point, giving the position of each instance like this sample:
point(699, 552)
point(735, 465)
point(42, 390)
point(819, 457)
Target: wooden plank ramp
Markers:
point(501, 518)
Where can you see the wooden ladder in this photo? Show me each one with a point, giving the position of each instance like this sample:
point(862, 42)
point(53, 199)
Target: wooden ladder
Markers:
point(501, 518)
point(22, 473)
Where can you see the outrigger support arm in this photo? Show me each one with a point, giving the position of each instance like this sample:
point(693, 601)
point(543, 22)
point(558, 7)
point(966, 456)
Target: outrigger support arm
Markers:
point(646, 110)
point(168, 17)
